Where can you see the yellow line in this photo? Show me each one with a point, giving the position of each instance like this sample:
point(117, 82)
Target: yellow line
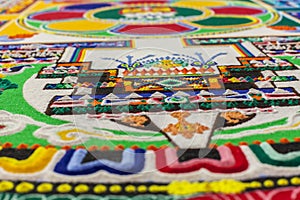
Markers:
point(283, 128)
point(82, 55)
point(9, 17)
point(239, 51)
point(64, 134)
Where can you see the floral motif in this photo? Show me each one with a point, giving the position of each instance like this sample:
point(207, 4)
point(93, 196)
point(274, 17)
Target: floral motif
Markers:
point(183, 127)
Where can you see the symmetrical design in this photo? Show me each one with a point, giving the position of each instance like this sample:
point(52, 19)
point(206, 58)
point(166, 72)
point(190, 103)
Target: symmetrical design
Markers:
point(149, 19)
point(131, 116)
point(144, 18)
point(139, 85)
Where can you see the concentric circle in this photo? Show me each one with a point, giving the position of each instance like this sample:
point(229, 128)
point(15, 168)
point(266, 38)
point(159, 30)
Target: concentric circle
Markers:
point(150, 20)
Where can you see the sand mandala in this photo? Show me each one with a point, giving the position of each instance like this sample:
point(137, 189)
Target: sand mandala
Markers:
point(152, 19)
point(152, 100)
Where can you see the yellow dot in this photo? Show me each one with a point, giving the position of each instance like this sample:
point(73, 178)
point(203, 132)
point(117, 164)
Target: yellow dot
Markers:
point(282, 182)
point(154, 188)
point(163, 188)
point(255, 184)
point(100, 189)
point(295, 181)
point(142, 188)
point(82, 188)
point(44, 187)
point(178, 187)
point(130, 188)
point(64, 188)
point(24, 187)
point(6, 186)
point(115, 188)
point(268, 183)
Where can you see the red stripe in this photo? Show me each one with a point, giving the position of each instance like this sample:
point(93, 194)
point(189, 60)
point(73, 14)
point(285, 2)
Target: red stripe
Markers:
point(237, 10)
point(79, 55)
point(57, 15)
point(239, 165)
point(153, 29)
point(144, 2)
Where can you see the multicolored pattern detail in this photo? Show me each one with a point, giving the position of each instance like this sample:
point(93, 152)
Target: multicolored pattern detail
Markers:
point(288, 7)
point(135, 162)
point(143, 18)
point(155, 108)
point(91, 190)
point(15, 6)
point(160, 18)
point(128, 92)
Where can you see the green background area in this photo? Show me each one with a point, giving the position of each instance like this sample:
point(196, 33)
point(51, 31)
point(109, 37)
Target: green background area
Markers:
point(286, 22)
point(248, 128)
point(223, 21)
point(13, 101)
point(276, 136)
point(292, 59)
